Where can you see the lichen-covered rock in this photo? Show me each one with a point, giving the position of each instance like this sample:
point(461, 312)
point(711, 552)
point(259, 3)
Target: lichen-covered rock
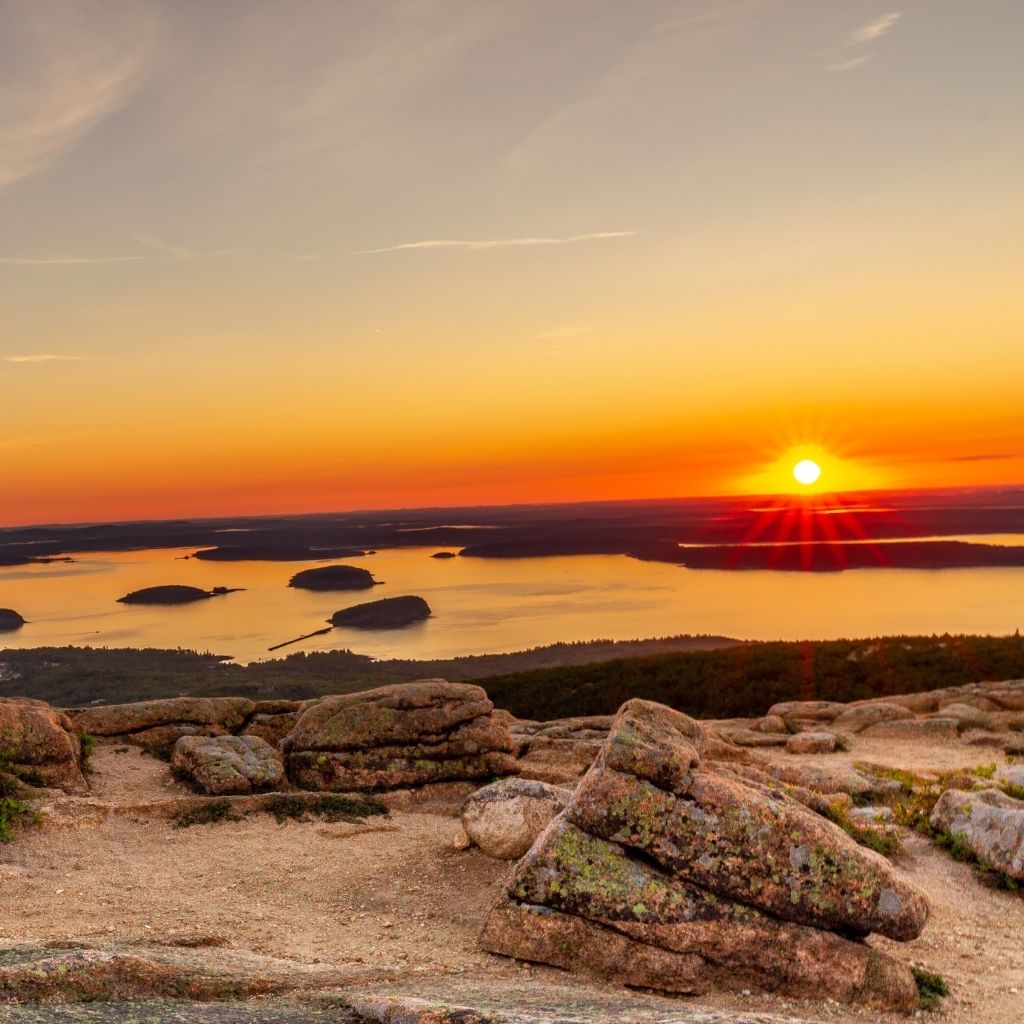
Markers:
point(807, 710)
point(222, 765)
point(1010, 775)
point(39, 740)
point(388, 715)
point(504, 818)
point(398, 736)
point(272, 720)
point(607, 913)
point(860, 716)
point(967, 715)
point(814, 743)
point(672, 870)
point(156, 725)
point(756, 738)
point(101, 976)
point(830, 779)
point(770, 853)
point(389, 768)
point(990, 823)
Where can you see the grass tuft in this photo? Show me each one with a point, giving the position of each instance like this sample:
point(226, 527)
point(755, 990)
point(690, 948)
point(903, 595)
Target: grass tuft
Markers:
point(931, 987)
point(88, 744)
point(329, 806)
point(284, 807)
point(206, 814)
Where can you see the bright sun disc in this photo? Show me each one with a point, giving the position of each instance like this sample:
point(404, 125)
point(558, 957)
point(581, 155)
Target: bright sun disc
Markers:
point(806, 472)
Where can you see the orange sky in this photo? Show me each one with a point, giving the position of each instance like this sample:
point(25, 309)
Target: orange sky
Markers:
point(415, 254)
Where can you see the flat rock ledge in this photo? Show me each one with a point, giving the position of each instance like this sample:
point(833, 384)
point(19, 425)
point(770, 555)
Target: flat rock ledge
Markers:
point(673, 871)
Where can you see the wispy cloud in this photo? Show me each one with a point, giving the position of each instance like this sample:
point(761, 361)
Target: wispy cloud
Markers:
point(849, 65)
point(875, 29)
point(479, 245)
point(66, 77)
point(42, 357)
point(161, 246)
point(566, 331)
point(868, 33)
point(178, 251)
point(64, 261)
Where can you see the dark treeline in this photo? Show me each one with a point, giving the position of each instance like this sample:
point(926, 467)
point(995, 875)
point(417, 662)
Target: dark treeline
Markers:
point(710, 677)
point(77, 676)
point(746, 680)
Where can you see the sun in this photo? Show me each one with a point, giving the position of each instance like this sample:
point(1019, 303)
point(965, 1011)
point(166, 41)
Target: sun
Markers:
point(806, 472)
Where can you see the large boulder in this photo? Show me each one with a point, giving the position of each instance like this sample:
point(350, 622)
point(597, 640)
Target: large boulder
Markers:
point(968, 715)
point(222, 765)
point(990, 823)
point(670, 870)
point(38, 741)
point(504, 818)
point(399, 736)
point(156, 725)
point(585, 904)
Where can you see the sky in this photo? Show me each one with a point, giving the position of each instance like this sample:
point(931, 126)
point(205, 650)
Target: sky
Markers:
point(262, 257)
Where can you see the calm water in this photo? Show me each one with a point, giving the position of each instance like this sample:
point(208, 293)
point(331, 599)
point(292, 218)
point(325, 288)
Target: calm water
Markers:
point(494, 605)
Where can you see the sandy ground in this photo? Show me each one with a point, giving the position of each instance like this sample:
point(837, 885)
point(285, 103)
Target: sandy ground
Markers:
point(395, 899)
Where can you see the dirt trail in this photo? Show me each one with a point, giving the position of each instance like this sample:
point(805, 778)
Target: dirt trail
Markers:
point(394, 899)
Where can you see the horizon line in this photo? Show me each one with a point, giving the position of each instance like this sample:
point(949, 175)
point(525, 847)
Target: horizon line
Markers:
point(758, 496)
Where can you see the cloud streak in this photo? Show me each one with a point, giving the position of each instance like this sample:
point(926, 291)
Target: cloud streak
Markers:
point(480, 245)
point(180, 252)
point(65, 261)
point(42, 357)
point(849, 65)
point(875, 29)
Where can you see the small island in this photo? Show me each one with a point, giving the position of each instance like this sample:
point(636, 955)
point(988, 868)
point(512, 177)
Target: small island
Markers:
point(443, 554)
point(388, 613)
point(10, 620)
point(333, 577)
point(273, 553)
point(172, 595)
